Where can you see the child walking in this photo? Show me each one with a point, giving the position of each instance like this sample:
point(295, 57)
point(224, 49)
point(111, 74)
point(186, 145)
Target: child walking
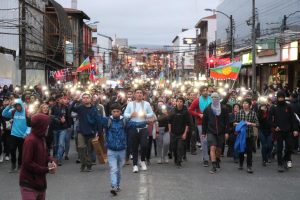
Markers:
point(116, 145)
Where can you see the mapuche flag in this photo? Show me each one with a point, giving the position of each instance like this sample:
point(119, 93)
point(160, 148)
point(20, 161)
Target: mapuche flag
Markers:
point(230, 71)
point(85, 65)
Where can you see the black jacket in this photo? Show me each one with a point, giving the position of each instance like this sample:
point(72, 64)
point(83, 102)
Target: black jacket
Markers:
point(58, 112)
point(212, 124)
point(283, 116)
point(179, 119)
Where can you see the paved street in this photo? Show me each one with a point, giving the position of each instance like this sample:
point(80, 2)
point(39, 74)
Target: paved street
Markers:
point(166, 182)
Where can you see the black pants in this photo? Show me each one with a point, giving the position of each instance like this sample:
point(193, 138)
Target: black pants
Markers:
point(249, 150)
point(149, 150)
point(139, 137)
point(177, 147)
point(288, 139)
point(16, 143)
point(4, 143)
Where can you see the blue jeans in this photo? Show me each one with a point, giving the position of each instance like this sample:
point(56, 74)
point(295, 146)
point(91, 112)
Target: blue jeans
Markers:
point(60, 143)
point(116, 160)
point(67, 141)
point(266, 145)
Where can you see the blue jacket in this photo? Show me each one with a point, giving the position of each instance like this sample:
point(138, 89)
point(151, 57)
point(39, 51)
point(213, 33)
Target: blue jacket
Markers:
point(19, 126)
point(88, 119)
point(116, 138)
point(240, 142)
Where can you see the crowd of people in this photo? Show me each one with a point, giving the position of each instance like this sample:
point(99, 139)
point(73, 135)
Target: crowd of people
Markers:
point(141, 122)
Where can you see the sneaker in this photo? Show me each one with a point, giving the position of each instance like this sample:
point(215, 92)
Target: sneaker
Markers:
point(205, 163)
point(213, 170)
point(119, 189)
point(78, 161)
point(59, 163)
point(82, 168)
point(249, 170)
point(6, 158)
point(178, 164)
point(289, 164)
point(160, 161)
point(13, 170)
point(135, 169)
point(131, 157)
point(198, 144)
point(143, 166)
point(66, 157)
point(166, 161)
point(1, 158)
point(280, 168)
point(113, 191)
point(89, 169)
point(127, 162)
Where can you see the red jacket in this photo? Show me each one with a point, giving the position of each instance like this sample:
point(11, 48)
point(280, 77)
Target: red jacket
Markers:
point(35, 157)
point(195, 111)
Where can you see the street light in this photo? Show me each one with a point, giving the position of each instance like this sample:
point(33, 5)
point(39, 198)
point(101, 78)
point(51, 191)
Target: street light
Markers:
point(231, 28)
point(285, 17)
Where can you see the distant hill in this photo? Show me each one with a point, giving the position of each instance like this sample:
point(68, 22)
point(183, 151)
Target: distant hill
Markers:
point(147, 46)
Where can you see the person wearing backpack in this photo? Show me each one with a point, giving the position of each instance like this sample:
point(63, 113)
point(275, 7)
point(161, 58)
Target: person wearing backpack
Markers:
point(17, 113)
point(116, 143)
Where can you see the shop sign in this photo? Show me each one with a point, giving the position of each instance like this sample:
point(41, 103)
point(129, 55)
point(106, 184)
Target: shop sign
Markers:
point(266, 47)
point(246, 59)
point(59, 74)
point(289, 52)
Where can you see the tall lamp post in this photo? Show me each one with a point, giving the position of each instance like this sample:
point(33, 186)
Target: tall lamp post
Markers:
point(231, 29)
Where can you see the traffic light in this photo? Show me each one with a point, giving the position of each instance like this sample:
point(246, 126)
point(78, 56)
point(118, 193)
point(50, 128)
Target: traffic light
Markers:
point(211, 62)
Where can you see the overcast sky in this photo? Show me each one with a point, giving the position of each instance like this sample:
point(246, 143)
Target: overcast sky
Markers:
point(154, 22)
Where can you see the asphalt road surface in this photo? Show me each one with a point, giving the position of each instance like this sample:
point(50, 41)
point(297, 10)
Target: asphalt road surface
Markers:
point(166, 182)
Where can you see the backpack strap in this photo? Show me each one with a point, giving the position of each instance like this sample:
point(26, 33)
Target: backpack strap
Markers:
point(109, 123)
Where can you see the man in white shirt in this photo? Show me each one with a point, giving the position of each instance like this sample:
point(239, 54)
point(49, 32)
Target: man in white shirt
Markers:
point(138, 111)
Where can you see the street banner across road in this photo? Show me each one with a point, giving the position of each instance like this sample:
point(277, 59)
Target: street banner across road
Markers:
point(230, 71)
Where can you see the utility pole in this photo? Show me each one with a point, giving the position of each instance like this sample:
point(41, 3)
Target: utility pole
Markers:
point(231, 38)
point(23, 44)
point(253, 48)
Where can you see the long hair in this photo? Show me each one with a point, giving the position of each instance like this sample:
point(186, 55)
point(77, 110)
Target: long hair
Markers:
point(41, 108)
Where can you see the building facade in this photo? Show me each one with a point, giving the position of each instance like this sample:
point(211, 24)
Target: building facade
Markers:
point(184, 45)
point(277, 43)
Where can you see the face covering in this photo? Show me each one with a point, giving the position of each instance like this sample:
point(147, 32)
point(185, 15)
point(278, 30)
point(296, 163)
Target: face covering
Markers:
point(216, 106)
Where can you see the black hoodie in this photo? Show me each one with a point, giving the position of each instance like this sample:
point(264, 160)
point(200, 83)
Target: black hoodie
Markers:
point(179, 119)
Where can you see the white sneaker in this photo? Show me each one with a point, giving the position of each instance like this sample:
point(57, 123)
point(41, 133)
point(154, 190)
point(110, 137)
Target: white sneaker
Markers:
point(143, 166)
point(160, 161)
point(135, 169)
point(166, 161)
point(1, 158)
point(6, 158)
point(289, 164)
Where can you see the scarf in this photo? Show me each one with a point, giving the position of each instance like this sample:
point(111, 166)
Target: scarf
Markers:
point(204, 102)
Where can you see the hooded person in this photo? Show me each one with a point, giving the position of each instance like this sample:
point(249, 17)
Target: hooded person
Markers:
point(16, 111)
point(284, 123)
point(215, 126)
point(36, 162)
